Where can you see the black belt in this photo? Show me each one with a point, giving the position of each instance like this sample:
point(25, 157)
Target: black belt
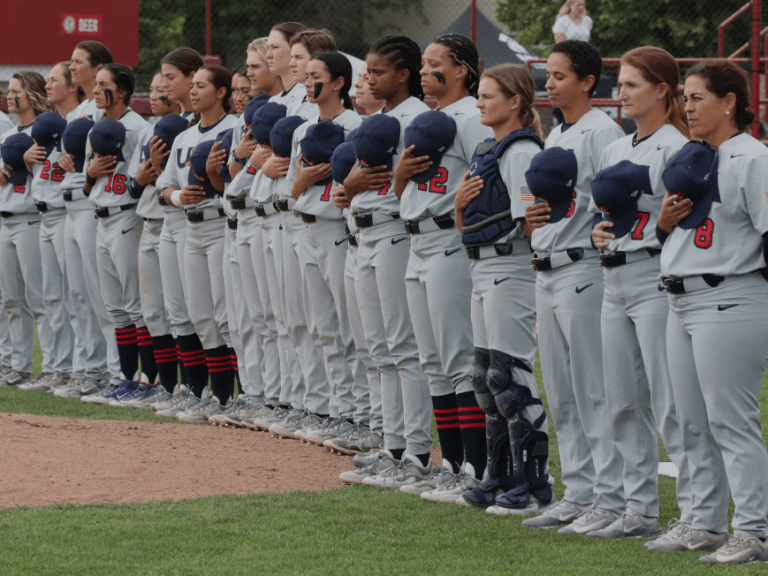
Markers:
point(677, 285)
point(366, 220)
point(238, 203)
point(105, 212)
point(200, 216)
point(232, 223)
point(350, 237)
point(161, 200)
point(41, 206)
point(308, 218)
point(281, 205)
point(620, 258)
point(501, 249)
point(67, 196)
point(152, 219)
point(544, 264)
point(6, 214)
point(444, 222)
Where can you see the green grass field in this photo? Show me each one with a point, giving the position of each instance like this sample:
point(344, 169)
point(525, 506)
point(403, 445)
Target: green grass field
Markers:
point(349, 530)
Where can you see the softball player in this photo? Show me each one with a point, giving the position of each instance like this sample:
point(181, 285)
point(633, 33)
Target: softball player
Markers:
point(634, 314)
point(393, 67)
point(491, 205)
point(86, 59)
point(203, 253)
point(21, 273)
point(569, 294)
point(112, 141)
point(241, 89)
point(439, 148)
point(716, 196)
point(6, 348)
point(323, 242)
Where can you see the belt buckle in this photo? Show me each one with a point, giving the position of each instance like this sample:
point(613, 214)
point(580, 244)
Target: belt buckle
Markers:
point(67, 196)
point(412, 226)
point(674, 285)
point(101, 212)
point(195, 216)
point(473, 253)
point(259, 209)
point(541, 264)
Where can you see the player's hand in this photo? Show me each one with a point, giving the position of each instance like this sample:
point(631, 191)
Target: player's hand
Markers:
point(34, 155)
point(275, 167)
point(4, 175)
point(67, 162)
point(673, 209)
point(469, 189)
point(246, 146)
point(217, 158)
point(340, 197)
point(364, 179)
point(307, 176)
point(101, 166)
point(600, 235)
point(192, 194)
point(410, 165)
point(146, 174)
point(260, 155)
point(157, 153)
point(537, 215)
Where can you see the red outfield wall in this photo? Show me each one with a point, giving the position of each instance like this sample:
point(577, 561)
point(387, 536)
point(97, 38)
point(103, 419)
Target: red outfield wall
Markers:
point(46, 31)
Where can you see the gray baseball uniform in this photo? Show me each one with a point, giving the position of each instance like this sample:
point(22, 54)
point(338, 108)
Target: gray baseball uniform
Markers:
point(381, 266)
point(6, 347)
point(568, 302)
point(717, 337)
point(634, 318)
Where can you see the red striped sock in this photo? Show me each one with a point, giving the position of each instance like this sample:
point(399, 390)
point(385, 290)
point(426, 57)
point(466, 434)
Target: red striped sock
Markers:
point(472, 423)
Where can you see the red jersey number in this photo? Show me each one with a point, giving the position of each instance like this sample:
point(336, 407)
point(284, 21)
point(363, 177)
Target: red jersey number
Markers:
point(117, 183)
point(640, 224)
point(20, 188)
point(572, 207)
point(704, 231)
point(383, 191)
point(437, 183)
point(326, 193)
point(54, 173)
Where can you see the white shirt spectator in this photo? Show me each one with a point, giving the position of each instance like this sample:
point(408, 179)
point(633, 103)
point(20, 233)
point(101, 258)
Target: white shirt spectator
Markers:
point(571, 30)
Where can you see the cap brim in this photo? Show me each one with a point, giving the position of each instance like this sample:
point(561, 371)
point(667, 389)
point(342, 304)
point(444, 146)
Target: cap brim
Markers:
point(17, 176)
point(699, 211)
point(623, 224)
point(79, 164)
point(49, 149)
point(429, 173)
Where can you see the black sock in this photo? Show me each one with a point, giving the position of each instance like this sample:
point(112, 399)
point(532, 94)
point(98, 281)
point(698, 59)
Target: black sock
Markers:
point(397, 453)
point(234, 374)
point(472, 423)
point(195, 365)
point(166, 359)
point(423, 458)
point(448, 432)
point(147, 355)
point(128, 350)
point(220, 372)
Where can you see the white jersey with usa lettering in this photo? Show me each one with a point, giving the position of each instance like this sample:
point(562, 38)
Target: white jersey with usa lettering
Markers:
point(730, 239)
point(176, 173)
point(112, 189)
point(149, 202)
point(513, 164)
point(14, 197)
point(435, 198)
point(653, 151)
point(588, 138)
point(317, 199)
point(384, 200)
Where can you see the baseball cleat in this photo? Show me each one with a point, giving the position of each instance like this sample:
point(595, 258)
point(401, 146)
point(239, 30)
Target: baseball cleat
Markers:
point(629, 525)
point(564, 512)
point(408, 471)
point(591, 520)
point(383, 462)
point(675, 540)
point(741, 548)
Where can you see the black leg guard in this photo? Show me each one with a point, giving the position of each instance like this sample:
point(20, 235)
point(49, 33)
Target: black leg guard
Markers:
point(499, 466)
point(510, 396)
point(478, 379)
point(536, 468)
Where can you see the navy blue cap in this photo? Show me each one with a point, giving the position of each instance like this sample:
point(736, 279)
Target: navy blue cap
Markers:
point(13, 150)
point(318, 145)
point(168, 127)
point(48, 129)
point(342, 161)
point(74, 139)
point(252, 106)
point(552, 177)
point(264, 120)
point(692, 172)
point(376, 141)
point(616, 191)
point(225, 137)
point(197, 174)
point(432, 133)
point(108, 137)
point(282, 133)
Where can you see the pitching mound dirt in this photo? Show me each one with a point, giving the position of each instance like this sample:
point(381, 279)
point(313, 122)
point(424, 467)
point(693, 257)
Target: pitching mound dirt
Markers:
point(46, 460)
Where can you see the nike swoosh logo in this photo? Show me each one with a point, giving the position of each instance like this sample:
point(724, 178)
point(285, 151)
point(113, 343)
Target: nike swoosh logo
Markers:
point(398, 241)
point(449, 252)
point(586, 130)
point(661, 287)
point(280, 227)
point(721, 307)
point(580, 290)
point(338, 242)
point(33, 222)
point(126, 231)
point(660, 147)
point(734, 155)
point(497, 282)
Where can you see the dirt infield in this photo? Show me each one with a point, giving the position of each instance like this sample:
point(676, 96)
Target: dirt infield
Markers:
point(46, 460)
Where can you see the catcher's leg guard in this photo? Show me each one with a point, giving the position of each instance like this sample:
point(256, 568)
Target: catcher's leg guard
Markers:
point(478, 379)
point(499, 477)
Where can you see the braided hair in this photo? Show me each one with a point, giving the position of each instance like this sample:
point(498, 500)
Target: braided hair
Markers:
point(464, 53)
point(405, 54)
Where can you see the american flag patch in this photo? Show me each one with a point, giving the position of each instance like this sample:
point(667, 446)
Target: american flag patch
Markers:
point(525, 194)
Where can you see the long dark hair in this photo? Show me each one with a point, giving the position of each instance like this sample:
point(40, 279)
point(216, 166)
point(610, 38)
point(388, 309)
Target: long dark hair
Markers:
point(123, 77)
point(98, 53)
point(722, 78)
point(338, 66)
point(187, 60)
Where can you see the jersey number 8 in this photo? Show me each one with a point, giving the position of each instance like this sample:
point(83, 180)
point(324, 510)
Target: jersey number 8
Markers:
point(703, 237)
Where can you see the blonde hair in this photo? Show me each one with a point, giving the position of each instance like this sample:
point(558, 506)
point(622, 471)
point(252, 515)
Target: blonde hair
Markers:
point(258, 45)
point(567, 7)
point(515, 80)
point(34, 85)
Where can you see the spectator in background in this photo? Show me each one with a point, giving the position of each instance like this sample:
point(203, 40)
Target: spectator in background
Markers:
point(572, 22)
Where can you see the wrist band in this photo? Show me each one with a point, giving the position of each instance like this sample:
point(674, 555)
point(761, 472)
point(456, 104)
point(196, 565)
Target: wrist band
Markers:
point(176, 198)
point(90, 180)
